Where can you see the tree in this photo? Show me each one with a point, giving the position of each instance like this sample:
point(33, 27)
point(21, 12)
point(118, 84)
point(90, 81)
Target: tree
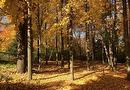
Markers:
point(22, 51)
point(39, 25)
point(56, 37)
point(62, 38)
point(29, 40)
point(71, 44)
point(127, 36)
point(19, 18)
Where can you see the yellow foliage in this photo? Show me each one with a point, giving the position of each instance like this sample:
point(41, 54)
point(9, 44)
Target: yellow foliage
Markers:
point(2, 3)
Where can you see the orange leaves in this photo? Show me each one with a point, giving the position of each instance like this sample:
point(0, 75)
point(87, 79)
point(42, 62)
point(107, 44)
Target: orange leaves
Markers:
point(51, 77)
point(6, 37)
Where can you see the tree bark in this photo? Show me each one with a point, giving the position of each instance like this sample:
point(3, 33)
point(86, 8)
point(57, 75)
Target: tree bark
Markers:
point(87, 46)
point(29, 40)
point(71, 44)
point(62, 49)
point(128, 37)
point(46, 47)
point(20, 50)
point(39, 34)
point(63, 2)
point(56, 39)
point(56, 49)
point(22, 45)
point(87, 37)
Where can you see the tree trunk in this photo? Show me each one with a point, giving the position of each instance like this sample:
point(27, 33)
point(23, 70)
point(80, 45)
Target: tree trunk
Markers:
point(106, 51)
point(39, 35)
point(63, 3)
point(20, 50)
point(29, 41)
point(87, 38)
point(128, 37)
point(71, 44)
point(91, 38)
point(56, 38)
point(103, 61)
point(22, 46)
point(111, 63)
point(125, 26)
point(68, 44)
point(56, 49)
point(72, 65)
point(87, 46)
point(114, 38)
point(46, 47)
point(62, 49)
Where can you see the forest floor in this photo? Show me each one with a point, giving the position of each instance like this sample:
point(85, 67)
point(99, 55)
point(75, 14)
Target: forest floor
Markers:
point(52, 77)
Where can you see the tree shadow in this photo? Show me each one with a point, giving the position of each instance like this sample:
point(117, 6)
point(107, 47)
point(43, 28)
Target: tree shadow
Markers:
point(105, 82)
point(60, 71)
point(53, 71)
point(29, 86)
point(84, 75)
point(52, 76)
point(7, 62)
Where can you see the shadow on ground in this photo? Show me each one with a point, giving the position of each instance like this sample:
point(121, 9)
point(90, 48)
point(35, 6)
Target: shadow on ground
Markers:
point(28, 86)
point(7, 62)
point(106, 82)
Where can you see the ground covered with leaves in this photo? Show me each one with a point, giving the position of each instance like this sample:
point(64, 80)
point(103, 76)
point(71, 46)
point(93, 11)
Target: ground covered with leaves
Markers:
point(52, 77)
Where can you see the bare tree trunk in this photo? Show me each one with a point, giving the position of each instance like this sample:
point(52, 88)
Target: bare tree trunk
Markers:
point(46, 51)
point(62, 50)
point(127, 38)
point(22, 45)
point(56, 38)
point(29, 40)
point(114, 36)
point(71, 44)
point(103, 61)
point(106, 51)
point(80, 48)
point(39, 34)
point(63, 3)
point(91, 38)
point(46, 47)
point(71, 65)
point(87, 46)
point(68, 44)
point(20, 51)
point(39, 24)
point(56, 49)
point(111, 56)
point(87, 37)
